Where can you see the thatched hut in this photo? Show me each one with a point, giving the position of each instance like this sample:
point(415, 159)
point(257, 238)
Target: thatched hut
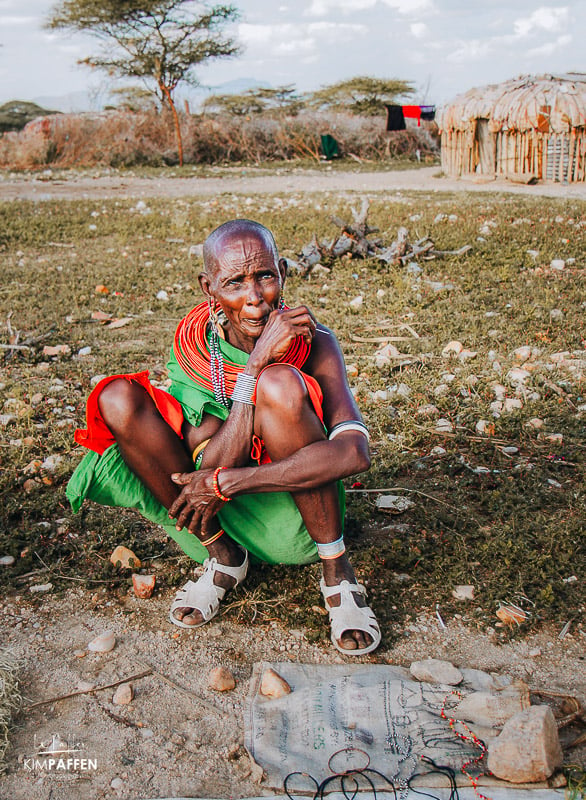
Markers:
point(531, 126)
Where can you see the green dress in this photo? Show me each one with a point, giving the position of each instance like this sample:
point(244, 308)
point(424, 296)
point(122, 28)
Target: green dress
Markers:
point(268, 525)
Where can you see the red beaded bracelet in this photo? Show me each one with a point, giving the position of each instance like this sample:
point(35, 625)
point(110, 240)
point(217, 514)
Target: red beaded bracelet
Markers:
point(216, 487)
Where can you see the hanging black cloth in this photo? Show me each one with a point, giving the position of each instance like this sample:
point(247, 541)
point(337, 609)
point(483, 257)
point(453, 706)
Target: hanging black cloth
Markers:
point(428, 113)
point(395, 118)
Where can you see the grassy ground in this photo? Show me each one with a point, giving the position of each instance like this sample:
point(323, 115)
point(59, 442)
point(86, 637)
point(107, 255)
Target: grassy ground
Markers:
point(510, 523)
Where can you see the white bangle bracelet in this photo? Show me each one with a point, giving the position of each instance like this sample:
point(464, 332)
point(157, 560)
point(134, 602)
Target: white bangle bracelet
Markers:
point(349, 425)
point(244, 389)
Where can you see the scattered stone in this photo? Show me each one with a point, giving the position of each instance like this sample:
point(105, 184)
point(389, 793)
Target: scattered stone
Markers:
point(123, 695)
point(96, 379)
point(556, 314)
point(463, 591)
point(557, 263)
point(512, 404)
point(103, 643)
point(438, 451)
point(427, 411)
point(393, 504)
point(522, 353)
point(536, 423)
point(484, 427)
point(143, 585)
point(51, 463)
point(162, 295)
point(512, 615)
point(196, 251)
point(444, 425)
point(117, 784)
point(101, 289)
point(535, 652)
point(452, 348)
point(56, 350)
point(7, 561)
point(119, 323)
point(127, 559)
point(441, 390)
point(432, 670)
point(40, 588)
point(493, 709)
point(384, 357)
point(356, 303)
point(467, 355)
point(528, 748)
point(517, 376)
point(84, 351)
point(273, 685)
point(221, 679)
point(380, 294)
point(80, 653)
point(510, 450)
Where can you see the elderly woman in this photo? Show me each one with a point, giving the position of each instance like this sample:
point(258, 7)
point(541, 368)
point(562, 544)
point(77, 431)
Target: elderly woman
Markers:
point(259, 400)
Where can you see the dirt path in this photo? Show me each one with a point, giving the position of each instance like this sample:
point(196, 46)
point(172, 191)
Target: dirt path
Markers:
point(78, 186)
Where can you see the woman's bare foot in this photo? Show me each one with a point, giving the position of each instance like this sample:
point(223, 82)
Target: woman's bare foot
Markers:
point(227, 553)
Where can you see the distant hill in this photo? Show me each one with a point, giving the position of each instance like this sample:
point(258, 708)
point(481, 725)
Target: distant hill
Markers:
point(15, 114)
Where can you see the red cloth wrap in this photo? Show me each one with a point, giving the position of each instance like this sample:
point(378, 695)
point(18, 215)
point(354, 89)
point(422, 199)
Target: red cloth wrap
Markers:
point(98, 437)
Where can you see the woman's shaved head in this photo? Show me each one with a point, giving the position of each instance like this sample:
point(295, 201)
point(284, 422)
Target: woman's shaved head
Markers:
point(229, 231)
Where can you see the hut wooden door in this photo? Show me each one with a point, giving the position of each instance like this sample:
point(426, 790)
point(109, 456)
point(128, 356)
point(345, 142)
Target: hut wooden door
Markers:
point(485, 148)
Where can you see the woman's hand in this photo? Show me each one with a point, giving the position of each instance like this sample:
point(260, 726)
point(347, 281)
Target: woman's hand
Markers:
point(197, 504)
point(282, 328)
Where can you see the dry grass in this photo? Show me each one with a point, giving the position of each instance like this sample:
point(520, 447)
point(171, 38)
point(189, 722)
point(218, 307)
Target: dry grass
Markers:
point(122, 139)
point(508, 522)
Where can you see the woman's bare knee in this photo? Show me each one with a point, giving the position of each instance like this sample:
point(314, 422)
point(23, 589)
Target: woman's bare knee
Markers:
point(282, 387)
point(120, 401)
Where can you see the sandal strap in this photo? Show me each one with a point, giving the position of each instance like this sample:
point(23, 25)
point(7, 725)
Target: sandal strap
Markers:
point(348, 616)
point(344, 587)
point(204, 595)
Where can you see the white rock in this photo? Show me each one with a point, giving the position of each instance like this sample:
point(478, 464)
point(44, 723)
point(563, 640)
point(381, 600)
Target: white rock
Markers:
point(517, 376)
point(7, 561)
point(512, 404)
point(196, 251)
point(441, 390)
point(356, 303)
point(556, 314)
point(536, 423)
point(510, 450)
point(452, 348)
point(432, 670)
point(438, 451)
point(103, 643)
point(380, 294)
point(558, 263)
point(467, 355)
point(528, 748)
point(444, 425)
point(84, 351)
point(427, 411)
point(394, 504)
point(492, 709)
point(463, 592)
point(96, 379)
point(123, 695)
point(482, 425)
point(117, 784)
point(273, 685)
point(522, 353)
point(40, 588)
point(52, 462)
point(385, 356)
point(221, 679)
point(163, 296)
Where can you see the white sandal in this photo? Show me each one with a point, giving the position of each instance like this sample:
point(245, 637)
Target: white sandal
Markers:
point(203, 594)
point(350, 617)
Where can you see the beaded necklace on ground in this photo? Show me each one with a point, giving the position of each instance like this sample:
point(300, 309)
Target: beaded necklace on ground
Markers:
point(202, 360)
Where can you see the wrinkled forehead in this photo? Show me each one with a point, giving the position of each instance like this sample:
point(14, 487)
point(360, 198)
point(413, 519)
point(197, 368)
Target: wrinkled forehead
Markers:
point(240, 247)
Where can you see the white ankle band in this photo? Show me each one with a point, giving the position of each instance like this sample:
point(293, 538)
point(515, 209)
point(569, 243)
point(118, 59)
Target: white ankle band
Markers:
point(331, 549)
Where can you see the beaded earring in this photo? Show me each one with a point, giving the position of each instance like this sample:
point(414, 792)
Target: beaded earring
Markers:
point(282, 302)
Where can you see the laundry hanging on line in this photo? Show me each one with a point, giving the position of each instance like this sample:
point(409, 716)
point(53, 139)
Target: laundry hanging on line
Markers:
point(396, 115)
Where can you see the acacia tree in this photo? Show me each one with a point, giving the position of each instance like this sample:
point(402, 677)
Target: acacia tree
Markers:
point(158, 41)
point(281, 100)
point(361, 95)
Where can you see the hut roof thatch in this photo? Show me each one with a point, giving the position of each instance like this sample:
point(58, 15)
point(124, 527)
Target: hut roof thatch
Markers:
point(520, 104)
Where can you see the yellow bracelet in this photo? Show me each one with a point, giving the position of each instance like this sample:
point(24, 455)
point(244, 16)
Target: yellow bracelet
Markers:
point(212, 539)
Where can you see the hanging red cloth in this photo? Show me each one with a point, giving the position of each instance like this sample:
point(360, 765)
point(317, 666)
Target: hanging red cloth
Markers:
point(413, 112)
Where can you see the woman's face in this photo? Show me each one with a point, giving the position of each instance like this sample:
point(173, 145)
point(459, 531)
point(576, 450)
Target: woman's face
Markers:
point(247, 283)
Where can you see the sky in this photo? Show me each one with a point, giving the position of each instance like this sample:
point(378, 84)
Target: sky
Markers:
point(443, 47)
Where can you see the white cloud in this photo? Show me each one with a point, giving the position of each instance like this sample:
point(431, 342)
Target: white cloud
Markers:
point(419, 30)
point(320, 8)
point(545, 18)
point(289, 38)
point(469, 50)
point(549, 48)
